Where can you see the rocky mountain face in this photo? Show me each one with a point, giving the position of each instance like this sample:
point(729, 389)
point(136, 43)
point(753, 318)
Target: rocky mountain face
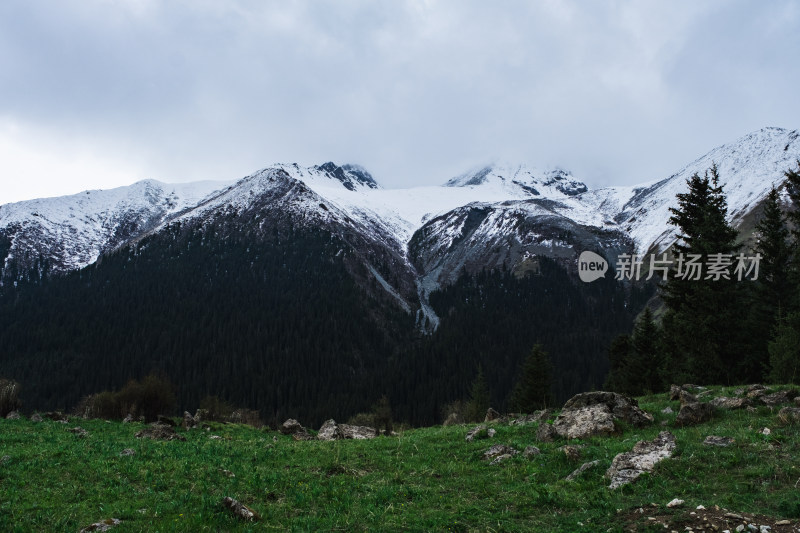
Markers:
point(404, 243)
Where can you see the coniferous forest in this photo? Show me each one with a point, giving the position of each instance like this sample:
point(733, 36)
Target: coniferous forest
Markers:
point(275, 322)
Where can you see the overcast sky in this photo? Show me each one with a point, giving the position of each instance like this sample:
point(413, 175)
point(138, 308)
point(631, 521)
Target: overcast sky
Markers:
point(102, 93)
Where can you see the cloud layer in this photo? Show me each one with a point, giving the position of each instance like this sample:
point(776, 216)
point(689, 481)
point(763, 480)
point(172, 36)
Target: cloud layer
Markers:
point(95, 93)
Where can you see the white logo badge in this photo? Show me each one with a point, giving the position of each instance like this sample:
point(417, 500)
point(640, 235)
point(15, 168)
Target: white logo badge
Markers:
point(591, 266)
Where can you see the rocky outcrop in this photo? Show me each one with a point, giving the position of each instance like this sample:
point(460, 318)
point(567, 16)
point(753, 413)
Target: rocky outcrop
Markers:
point(545, 432)
point(694, 413)
point(330, 430)
point(13, 415)
point(628, 466)
point(724, 402)
point(479, 432)
point(295, 429)
point(583, 422)
point(778, 398)
point(492, 415)
point(621, 407)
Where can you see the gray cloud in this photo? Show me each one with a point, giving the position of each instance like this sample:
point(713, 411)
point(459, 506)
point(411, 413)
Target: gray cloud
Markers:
point(416, 91)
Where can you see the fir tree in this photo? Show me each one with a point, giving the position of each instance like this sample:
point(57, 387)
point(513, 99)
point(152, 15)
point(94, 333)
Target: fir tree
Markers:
point(703, 340)
point(636, 365)
point(533, 389)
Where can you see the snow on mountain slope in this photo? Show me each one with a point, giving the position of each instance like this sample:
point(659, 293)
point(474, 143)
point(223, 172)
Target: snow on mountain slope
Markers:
point(72, 231)
point(748, 169)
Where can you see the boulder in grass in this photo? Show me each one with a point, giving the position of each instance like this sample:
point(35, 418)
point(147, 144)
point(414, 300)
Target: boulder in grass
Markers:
point(628, 466)
point(789, 415)
point(295, 429)
point(478, 432)
point(546, 432)
point(492, 415)
point(158, 431)
point(694, 413)
point(621, 407)
point(103, 525)
point(357, 432)
point(584, 422)
point(239, 510)
point(724, 402)
point(13, 415)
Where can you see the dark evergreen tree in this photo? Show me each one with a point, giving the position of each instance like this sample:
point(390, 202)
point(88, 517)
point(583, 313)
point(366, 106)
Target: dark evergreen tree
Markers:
point(769, 294)
point(784, 351)
point(636, 361)
point(618, 357)
point(533, 389)
point(702, 333)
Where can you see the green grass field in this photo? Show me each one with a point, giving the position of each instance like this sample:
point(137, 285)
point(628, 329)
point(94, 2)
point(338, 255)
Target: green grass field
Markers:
point(422, 480)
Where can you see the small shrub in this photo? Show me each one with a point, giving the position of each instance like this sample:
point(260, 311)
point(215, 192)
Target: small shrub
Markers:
point(9, 397)
point(151, 397)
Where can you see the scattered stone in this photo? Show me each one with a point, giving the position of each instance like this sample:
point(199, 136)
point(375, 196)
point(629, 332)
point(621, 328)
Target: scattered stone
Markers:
point(583, 468)
point(103, 525)
point(500, 458)
point(166, 421)
point(329, 431)
point(127, 452)
point(357, 432)
point(621, 407)
point(128, 419)
point(215, 437)
point(584, 421)
point(531, 451)
point(56, 416)
point(789, 415)
point(240, 510)
point(756, 391)
point(686, 397)
point(226, 473)
point(36, 417)
point(724, 402)
point(538, 416)
point(701, 508)
point(778, 398)
point(667, 410)
point(628, 466)
point(713, 440)
point(13, 415)
point(675, 503)
point(200, 416)
point(79, 432)
point(478, 432)
point(545, 432)
point(694, 413)
point(783, 522)
point(158, 431)
point(295, 429)
point(188, 421)
point(491, 415)
point(573, 453)
point(491, 432)
point(766, 431)
point(499, 450)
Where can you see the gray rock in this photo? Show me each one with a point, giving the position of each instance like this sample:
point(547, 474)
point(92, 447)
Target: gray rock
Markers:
point(531, 451)
point(103, 525)
point(789, 415)
point(478, 432)
point(686, 398)
point(499, 450)
point(628, 466)
point(357, 432)
point(36, 417)
point(127, 452)
point(714, 440)
point(756, 391)
point(166, 421)
point(56, 416)
point(79, 432)
point(491, 415)
point(573, 453)
point(128, 419)
point(545, 432)
point(583, 422)
point(667, 410)
point(188, 421)
point(13, 415)
point(694, 413)
point(583, 468)
point(724, 402)
point(240, 510)
point(329, 431)
point(778, 398)
point(158, 431)
point(295, 429)
point(621, 407)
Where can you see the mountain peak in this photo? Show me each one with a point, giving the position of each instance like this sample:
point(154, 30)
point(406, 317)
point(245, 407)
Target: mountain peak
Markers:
point(350, 175)
point(523, 180)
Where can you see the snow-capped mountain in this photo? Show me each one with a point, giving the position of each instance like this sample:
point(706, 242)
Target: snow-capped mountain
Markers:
point(406, 242)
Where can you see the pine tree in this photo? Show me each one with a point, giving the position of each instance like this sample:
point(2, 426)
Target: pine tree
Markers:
point(784, 351)
point(703, 337)
point(533, 389)
point(636, 365)
point(768, 297)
